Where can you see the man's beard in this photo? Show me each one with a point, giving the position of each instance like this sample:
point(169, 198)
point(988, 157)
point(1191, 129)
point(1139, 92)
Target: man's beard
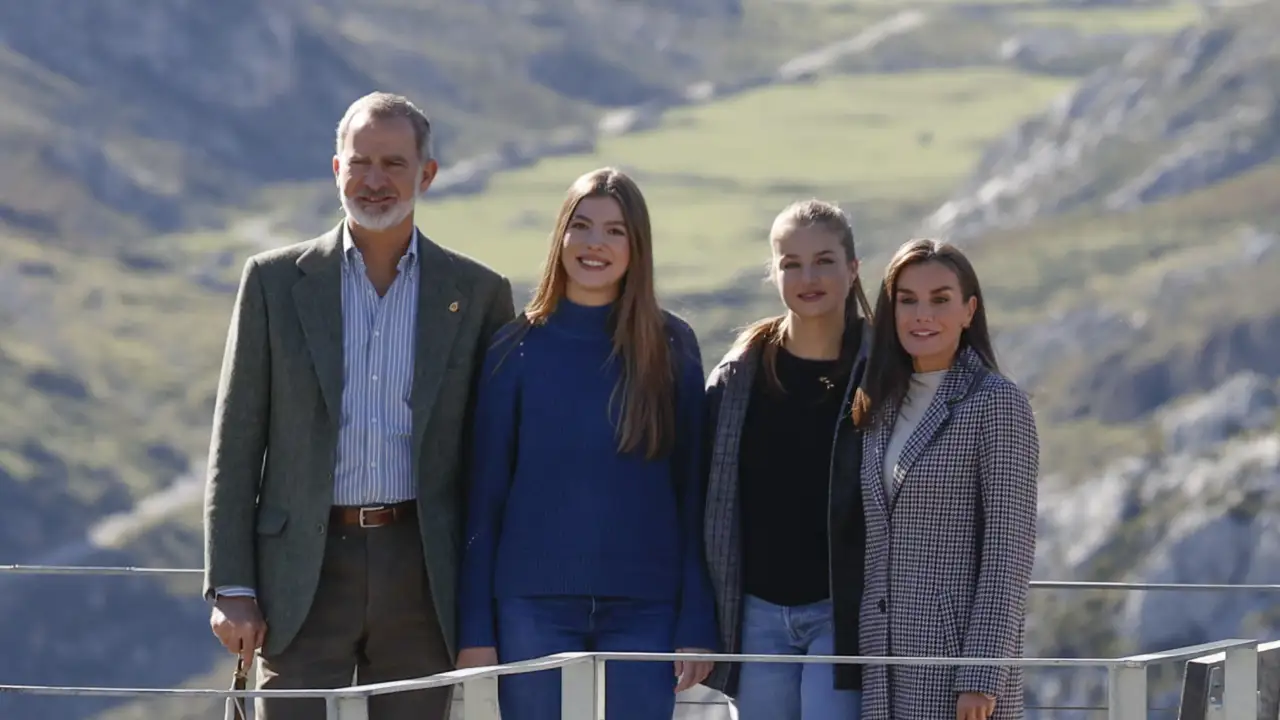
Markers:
point(377, 221)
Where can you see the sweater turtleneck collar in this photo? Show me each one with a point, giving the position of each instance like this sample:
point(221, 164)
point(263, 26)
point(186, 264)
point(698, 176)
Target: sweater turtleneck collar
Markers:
point(581, 320)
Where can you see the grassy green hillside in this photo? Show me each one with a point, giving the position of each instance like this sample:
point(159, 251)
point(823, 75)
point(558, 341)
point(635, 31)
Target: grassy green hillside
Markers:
point(1120, 18)
point(1182, 273)
point(886, 146)
point(106, 376)
point(166, 126)
point(110, 345)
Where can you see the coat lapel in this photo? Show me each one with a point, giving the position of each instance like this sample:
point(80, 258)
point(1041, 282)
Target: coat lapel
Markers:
point(722, 485)
point(318, 299)
point(722, 530)
point(440, 309)
point(737, 392)
point(953, 389)
point(881, 430)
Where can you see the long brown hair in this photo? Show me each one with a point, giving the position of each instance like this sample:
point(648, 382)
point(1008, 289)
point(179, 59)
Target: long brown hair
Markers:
point(770, 333)
point(647, 386)
point(890, 368)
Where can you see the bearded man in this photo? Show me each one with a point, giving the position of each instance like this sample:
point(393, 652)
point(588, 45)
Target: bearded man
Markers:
point(333, 506)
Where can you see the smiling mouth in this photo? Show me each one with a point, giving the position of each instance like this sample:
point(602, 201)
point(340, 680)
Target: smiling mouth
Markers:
point(811, 296)
point(923, 333)
point(593, 264)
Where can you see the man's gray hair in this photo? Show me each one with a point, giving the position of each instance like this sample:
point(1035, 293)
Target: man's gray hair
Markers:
point(383, 105)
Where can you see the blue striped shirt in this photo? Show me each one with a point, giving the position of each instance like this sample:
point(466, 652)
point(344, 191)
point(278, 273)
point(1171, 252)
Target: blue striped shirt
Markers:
point(376, 428)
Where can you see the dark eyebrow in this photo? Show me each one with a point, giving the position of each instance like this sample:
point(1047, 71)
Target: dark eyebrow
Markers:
point(817, 254)
point(935, 291)
point(584, 218)
point(393, 158)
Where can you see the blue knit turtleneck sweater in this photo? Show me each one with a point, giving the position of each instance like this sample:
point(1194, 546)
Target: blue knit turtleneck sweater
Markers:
point(554, 508)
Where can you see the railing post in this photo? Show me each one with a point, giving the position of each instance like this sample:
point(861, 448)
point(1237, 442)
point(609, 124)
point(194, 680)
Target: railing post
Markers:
point(582, 690)
point(346, 708)
point(599, 665)
point(480, 699)
point(1127, 691)
point(1240, 689)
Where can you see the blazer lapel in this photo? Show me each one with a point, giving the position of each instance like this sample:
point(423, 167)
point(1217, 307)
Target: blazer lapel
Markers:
point(881, 431)
point(737, 394)
point(440, 308)
point(953, 389)
point(722, 485)
point(934, 417)
point(318, 299)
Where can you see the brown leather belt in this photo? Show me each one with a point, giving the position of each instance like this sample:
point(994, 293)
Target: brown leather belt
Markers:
point(372, 516)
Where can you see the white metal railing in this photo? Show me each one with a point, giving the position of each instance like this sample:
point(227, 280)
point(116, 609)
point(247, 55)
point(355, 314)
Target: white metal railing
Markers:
point(582, 680)
point(582, 674)
point(1035, 584)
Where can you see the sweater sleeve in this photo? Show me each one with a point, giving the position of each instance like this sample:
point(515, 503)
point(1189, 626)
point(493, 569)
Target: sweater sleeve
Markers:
point(696, 623)
point(493, 454)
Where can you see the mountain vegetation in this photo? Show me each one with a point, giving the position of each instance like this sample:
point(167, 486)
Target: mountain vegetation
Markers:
point(1112, 169)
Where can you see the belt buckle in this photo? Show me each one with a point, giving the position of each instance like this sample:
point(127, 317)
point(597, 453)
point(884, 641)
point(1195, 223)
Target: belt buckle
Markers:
point(364, 510)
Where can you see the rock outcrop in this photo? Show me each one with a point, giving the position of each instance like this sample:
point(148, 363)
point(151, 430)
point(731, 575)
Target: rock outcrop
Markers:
point(1204, 512)
point(1175, 116)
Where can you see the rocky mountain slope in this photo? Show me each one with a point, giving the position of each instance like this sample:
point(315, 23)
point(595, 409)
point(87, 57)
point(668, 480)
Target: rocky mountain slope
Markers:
point(1147, 329)
point(126, 118)
point(1133, 226)
point(1169, 118)
point(122, 120)
point(1203, 511)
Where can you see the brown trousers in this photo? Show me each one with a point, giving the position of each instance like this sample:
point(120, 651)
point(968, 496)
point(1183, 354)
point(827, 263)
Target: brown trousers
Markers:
point(372, 618)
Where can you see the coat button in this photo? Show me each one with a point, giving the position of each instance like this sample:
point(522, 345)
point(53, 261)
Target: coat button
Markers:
point(882, 605)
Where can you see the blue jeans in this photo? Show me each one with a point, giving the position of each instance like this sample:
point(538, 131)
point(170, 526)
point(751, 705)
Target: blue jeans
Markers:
point(790, 691)
point(537, 626)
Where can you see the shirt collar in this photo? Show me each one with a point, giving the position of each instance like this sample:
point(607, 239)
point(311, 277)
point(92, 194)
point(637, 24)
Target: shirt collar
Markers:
point(352, 253)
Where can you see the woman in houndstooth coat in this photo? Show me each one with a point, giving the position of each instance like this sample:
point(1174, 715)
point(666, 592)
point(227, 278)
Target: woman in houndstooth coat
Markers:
point(949, 482)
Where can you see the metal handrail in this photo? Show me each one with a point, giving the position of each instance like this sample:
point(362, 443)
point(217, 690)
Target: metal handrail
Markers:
point(583, 673)
point(583, 686)
point(1035, 584)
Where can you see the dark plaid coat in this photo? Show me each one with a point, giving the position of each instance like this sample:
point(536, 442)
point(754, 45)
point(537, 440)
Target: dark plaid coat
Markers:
point(949, 559)
point(728, 394)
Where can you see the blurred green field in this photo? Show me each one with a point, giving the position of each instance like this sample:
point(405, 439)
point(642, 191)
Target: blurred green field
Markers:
point(886, 146)
point(1149, 19)
point(108, 369)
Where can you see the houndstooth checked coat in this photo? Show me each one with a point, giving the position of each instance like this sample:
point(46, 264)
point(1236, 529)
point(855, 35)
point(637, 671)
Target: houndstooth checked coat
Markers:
point(949, 559)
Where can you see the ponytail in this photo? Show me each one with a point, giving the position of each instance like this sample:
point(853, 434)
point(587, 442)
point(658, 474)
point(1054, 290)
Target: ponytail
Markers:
point(858, 299)
point(768, 335)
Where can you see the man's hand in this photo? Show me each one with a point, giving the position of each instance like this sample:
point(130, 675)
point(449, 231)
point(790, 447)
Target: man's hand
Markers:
point(974, 706)
point(691, 672)
point(477, 657)
point(237, 623)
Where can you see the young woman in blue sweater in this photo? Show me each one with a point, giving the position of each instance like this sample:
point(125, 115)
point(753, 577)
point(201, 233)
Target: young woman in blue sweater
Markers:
point(585, 509)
